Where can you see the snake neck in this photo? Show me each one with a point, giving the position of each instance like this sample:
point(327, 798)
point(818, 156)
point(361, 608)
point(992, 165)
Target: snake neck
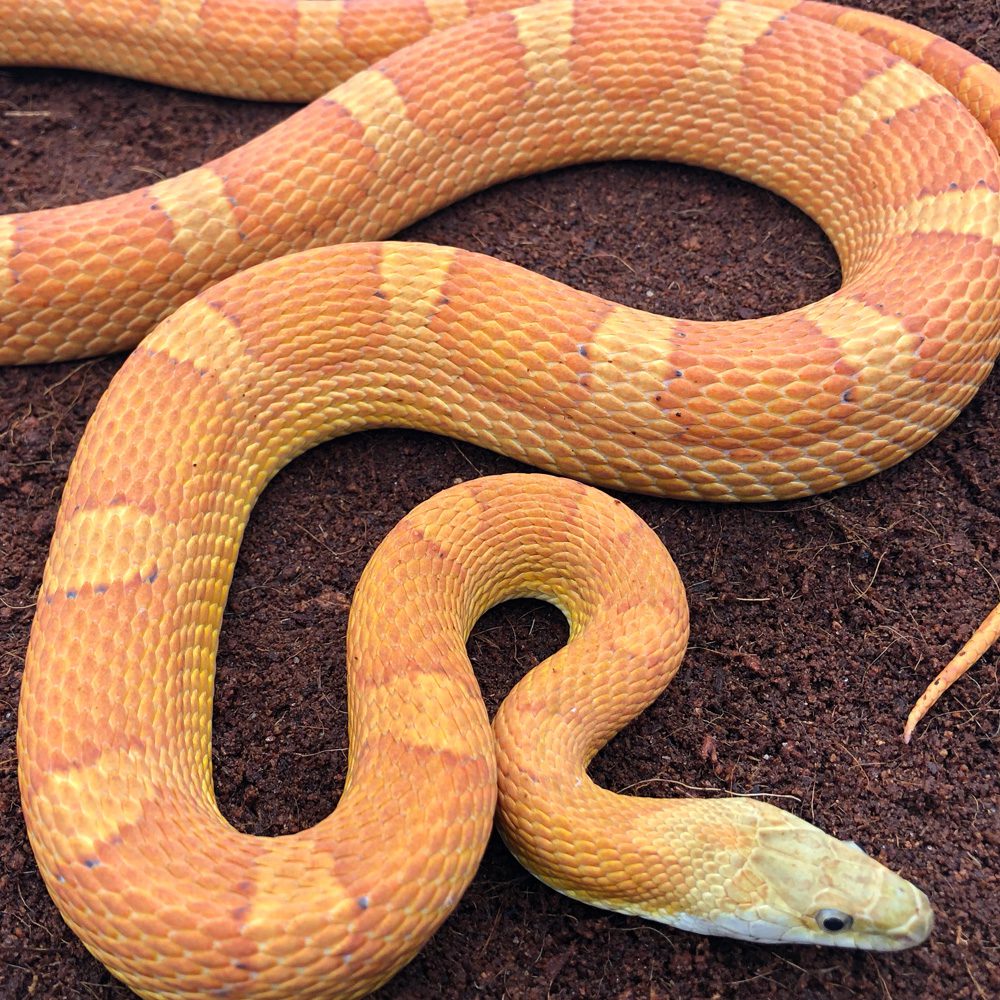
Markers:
point(732, 867)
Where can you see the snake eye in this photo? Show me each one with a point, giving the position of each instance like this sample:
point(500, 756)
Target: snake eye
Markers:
point(834, 920)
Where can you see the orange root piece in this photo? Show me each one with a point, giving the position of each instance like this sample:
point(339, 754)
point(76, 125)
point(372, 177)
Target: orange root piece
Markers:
point(982, 639)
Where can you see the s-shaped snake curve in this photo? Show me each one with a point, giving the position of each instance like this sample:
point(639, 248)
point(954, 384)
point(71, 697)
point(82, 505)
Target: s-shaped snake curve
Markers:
point(306, 339)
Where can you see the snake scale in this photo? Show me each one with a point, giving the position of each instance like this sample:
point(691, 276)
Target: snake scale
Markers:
point(305, 339)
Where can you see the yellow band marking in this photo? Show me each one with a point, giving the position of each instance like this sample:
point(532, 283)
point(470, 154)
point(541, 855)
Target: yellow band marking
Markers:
point(374, 101)
point(7, 247)
point(978, 81)
point(412, 285)
point(638, 341)
point(445, 13)
point(319, 40)
point(208, 339)
point(975, 212)
point(417, 717)
point(109, 544)
point(205, 227)
point(859, 326)
point(630, 355)
point(735, 27)
point(181, 16)
point(547, 35)
point(86, 791)
point(895, 89)
point(316, 876)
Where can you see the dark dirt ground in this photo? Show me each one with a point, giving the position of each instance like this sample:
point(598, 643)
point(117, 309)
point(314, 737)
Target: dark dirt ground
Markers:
point(815, 623)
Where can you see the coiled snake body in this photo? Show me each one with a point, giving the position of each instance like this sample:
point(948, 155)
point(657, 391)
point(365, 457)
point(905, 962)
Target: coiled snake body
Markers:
point(114, 729)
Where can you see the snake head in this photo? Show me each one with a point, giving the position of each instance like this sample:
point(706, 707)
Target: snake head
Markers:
point(831, 892)
point(784, 881)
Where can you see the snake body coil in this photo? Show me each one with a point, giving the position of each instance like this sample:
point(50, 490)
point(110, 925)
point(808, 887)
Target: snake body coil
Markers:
point(114, 731)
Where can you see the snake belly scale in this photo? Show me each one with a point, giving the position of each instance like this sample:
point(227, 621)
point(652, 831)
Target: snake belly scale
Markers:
point(114, 728)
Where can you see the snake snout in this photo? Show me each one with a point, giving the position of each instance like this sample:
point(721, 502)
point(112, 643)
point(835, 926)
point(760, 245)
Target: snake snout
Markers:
point(913, 913)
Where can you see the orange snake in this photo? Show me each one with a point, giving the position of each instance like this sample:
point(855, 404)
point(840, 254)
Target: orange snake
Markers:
point(114, 732)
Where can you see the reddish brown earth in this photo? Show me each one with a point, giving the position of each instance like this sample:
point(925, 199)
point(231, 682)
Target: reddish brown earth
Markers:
point(815, 624)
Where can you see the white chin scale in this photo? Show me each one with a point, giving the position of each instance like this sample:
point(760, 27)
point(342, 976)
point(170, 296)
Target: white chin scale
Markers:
point(756, 929)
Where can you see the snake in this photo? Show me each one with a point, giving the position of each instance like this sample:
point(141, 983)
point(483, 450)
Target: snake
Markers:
point(268, 312)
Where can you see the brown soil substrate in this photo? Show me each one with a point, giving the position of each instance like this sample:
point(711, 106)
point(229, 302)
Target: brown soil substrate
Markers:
point(815, 623)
